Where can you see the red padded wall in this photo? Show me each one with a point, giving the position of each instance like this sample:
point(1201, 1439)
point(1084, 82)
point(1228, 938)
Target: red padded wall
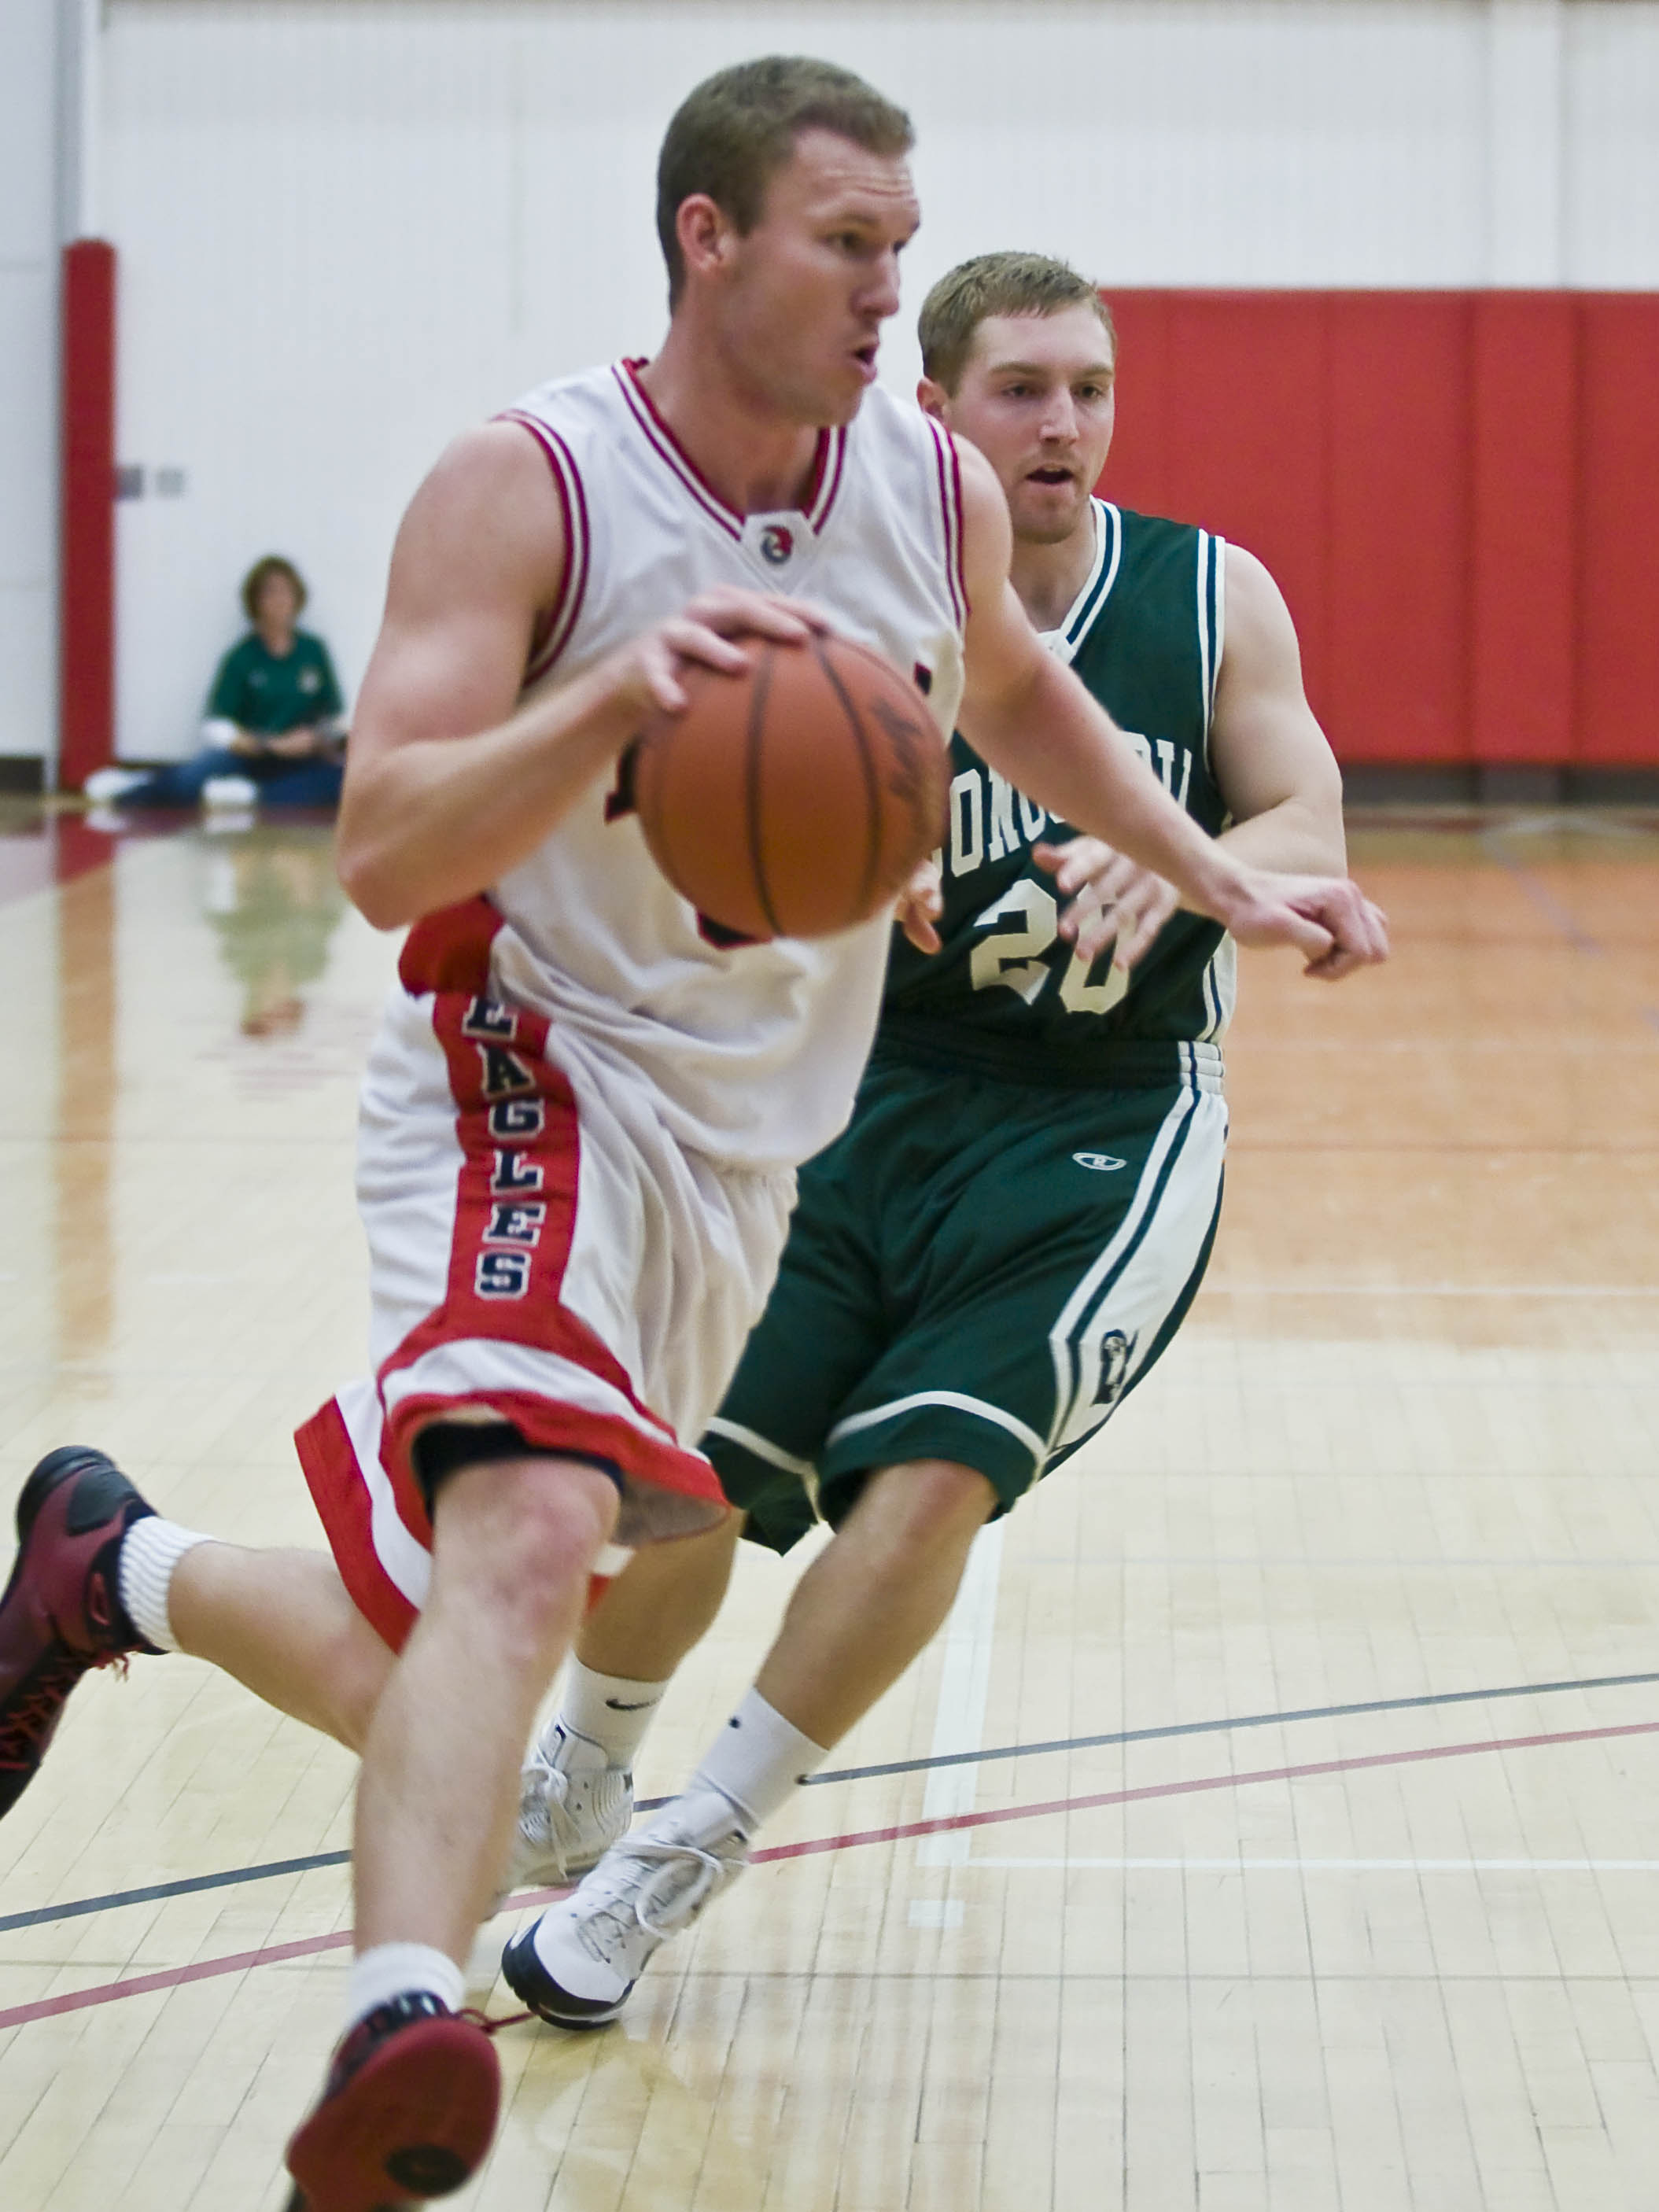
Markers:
point(1394, 679)
point(1616, 598)
point(1523, 525)
point(1454, 489)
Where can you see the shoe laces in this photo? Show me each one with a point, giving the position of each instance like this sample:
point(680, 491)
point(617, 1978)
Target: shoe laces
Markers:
point(664, 1899)
point(542, 1786)
point(38, 1708)
point(661, 1909)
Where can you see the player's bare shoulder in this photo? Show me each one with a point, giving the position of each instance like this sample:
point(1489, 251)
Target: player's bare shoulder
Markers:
point(1260, 632)
point(987, 535)
point(487, 519)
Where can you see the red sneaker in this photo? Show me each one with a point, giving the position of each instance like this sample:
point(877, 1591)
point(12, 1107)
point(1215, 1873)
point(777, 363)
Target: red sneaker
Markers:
point(62, 1614)
point(407, 2113)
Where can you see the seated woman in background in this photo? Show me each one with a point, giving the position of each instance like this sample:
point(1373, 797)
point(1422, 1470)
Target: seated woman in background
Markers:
point(274, 731)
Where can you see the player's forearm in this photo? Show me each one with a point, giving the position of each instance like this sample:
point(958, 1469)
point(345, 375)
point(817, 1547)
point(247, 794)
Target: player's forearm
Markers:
point(1060, 749)
point(428, 822)
point(1297, 838)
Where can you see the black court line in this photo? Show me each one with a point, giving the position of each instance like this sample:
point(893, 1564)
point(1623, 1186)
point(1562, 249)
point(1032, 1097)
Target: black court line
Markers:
point(187, 1888)
point(231, 1876)
point(1241, 1720)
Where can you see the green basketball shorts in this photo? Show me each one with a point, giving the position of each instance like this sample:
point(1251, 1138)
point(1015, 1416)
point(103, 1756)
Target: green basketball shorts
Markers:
point(977, 1270)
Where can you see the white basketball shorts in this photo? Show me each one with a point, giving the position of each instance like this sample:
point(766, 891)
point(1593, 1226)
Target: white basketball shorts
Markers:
point(542, 1253)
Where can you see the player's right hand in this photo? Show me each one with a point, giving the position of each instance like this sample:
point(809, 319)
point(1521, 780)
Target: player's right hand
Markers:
point(645, 675)
point(1114, 900)
point(1328, 919)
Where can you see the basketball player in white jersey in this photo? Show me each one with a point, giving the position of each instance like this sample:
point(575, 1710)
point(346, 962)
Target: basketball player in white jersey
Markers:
point(581, 1117)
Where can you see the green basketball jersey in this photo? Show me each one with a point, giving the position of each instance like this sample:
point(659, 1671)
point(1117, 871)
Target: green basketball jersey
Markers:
point(1007, 994)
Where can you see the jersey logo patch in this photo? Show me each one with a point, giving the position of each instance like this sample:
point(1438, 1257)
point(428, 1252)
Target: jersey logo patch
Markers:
point(1102, 1162)
point(777, 542)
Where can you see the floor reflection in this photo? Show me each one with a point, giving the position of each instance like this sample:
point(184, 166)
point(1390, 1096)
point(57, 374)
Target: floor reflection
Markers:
point(83, 1157)
point(44, 841)
point(274, 901)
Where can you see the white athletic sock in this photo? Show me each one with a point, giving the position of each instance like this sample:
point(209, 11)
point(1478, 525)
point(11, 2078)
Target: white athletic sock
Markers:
point(392, 1970)
point(758, 1758)
point(607, 1711)
point(151, 1550)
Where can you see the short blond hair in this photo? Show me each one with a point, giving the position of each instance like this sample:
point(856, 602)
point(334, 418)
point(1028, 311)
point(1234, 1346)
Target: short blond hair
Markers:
point(737, 127)
point(997, 284)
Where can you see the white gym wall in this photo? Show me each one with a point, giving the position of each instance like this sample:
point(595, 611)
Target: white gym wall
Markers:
point(348, 226)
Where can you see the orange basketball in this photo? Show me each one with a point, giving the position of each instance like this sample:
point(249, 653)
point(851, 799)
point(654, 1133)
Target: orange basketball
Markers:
point(794, 799)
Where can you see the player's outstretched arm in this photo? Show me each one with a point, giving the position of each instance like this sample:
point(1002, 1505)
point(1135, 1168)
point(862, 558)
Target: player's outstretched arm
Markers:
point(1276, 769)
point(1033, 720)
point(1272, 760)
point(426, 820)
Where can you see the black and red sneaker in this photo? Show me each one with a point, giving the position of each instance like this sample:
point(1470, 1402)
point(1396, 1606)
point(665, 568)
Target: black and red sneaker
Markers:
point(407, 2113)
point(62, 1613)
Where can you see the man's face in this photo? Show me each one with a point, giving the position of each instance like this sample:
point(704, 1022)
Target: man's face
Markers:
point(805, 293)
point(1037, 398)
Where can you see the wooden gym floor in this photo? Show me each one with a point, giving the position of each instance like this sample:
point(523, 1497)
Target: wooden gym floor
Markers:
point(1312, 1859)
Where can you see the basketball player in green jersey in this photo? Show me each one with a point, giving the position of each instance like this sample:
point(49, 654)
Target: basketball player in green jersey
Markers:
point(1007, 1235)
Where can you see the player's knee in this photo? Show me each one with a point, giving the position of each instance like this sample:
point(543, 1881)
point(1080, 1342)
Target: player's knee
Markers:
point(521, 1545)
point(924, 1510)
point(357, 1666)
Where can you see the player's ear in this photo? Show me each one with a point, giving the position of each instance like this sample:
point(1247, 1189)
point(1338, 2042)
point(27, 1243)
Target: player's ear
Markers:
point(932, 399)
point(704, 233)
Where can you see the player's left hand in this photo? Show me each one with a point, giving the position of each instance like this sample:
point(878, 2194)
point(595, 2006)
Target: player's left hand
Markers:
point(1328, 918)
point(921, 904)
point(1113, 898)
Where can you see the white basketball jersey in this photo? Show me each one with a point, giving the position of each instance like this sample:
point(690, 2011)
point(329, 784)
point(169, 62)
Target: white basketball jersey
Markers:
point(754, 1052)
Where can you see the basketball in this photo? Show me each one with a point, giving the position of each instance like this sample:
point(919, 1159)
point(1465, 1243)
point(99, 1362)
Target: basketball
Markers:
point(795, 799)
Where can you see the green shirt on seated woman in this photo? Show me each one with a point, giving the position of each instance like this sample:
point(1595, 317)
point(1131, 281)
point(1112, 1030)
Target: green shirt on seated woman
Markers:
point(274, 730)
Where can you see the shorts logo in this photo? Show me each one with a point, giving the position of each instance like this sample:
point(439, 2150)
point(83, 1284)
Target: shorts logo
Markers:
point(1116, 1351)
point(1103, 1163)
point(777, 542)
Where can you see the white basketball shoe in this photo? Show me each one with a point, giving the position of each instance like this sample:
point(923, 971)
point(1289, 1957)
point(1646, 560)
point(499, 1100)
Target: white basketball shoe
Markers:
point(230, 793)
point(106, 787)
point(575, 1965)
point(572, 1808)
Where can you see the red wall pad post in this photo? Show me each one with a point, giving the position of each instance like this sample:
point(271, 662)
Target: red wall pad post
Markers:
point(86, 628)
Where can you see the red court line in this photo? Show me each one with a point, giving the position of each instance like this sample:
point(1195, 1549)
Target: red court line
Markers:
point(272, 1955)
point(1190, 1789)
point(175, 1978)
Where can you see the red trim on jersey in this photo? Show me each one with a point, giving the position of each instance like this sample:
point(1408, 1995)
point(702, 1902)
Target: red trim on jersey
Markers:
point(960, 575)
point(950, 499)
point(664, 443)
point(829, 460)
point(827, 473)
point(554, 623)
point(448, 950)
